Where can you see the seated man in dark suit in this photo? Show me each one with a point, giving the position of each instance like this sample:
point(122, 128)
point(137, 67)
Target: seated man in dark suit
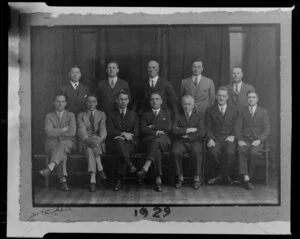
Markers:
point(108, 88)
point(220, 121)
point(123, 133)
point(60, 128)
point(75, 91)
point(252, 128)
point(188, 129)
point(155, 125)
point(92, 134)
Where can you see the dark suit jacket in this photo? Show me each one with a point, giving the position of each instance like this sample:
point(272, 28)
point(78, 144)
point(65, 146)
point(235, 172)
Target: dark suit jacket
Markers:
point(107, 96)
point(76, 99)
point(239, 101)
point(115, 128)
point(180, 125)
point(204, 93)
point(252, 128)
point(161, 122)
point(169, 97)
point(220, 126)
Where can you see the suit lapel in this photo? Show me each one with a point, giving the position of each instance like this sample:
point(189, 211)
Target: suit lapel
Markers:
point(72, 90)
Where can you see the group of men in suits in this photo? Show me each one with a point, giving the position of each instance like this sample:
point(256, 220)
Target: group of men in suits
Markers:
point(157, 121)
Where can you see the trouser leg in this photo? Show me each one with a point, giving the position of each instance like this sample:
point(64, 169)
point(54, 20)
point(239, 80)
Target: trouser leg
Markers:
point(178, 150)
point(229, 159)
point(196, 157)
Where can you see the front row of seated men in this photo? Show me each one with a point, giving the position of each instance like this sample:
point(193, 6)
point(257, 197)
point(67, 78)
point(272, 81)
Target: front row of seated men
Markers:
point(222, 128)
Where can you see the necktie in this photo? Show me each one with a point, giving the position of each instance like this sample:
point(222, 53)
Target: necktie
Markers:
point(152, 84)
point(92, 121)
point(123, 113)
point(76, 86)
point(187, 117)
point(196, 82)
point(112, 84)
point(155, 113)
point(236, 90)
point(222, 110)
point(251, 111)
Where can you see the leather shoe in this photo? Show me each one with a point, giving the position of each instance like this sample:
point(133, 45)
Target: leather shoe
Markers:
point(228, 180)
point(45, 172)
point(248, 185)
point(64, 186)
point(102, 175)
point(158, 187)
point(92, 187)
point(118, 185)
point(179, 184)
point(196, 185)
point(215, 180)
point(132, 169)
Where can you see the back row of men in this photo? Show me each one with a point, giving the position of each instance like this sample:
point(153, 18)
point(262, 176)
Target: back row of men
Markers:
point(120, 129)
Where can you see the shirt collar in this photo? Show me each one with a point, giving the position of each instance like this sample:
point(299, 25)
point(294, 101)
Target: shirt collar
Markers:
point(223, 106)
point(73, 84)
point(93, 112)
point(125, 110)
point(153, 79)
point(197, 77)
point(239, 84)
point(60, 114)
point(156, 110)
point(189, 114)
point(113, 78)
point(253, 107)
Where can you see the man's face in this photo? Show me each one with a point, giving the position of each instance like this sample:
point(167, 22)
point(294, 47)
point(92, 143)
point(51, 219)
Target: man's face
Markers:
point(153, 69)
point(252, 99)
point(91, 103)
point(60, 103)
point(75, 74)
point(197, 68)
point(155, 101)
point(188, 105)
point(237, 75)
point(123, 101)
point(222, 97)
point(112, 69)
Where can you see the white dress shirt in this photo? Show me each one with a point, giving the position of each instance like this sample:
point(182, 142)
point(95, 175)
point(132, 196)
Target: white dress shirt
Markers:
point(156, 112)
point(253, 109)
point(113, 80)
point(154, 80)
point(74, 84)
point(239, 85)
point(60, 114)
point(121, 110)
point(198, 78)
point(222, 108)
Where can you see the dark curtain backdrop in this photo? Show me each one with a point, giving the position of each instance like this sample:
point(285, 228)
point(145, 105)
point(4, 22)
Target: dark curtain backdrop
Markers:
point(261, 66)
point(55, 49)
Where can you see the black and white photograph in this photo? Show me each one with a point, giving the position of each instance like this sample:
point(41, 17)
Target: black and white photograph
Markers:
point(174, 116)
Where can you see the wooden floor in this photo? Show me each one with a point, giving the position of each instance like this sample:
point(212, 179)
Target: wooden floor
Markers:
point(133, 194)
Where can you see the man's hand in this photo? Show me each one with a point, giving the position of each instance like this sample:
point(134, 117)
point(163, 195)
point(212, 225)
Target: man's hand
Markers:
point(185, 136)
point(65, 129)
point(158, 132)
point(191, 130)
point(151, 126)
point(119, 137)
point(230, 138)
point(256, 142)
point(211, 143)
point(242, 143)
point(127, 136)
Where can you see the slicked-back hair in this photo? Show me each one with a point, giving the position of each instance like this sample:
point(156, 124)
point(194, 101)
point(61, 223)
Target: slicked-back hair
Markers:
point(156, 93)
point(223, 88)
point(123, 92)
point(60, 94)
point(252, 91)
point(91, 95)
point(75, 66)
point(197, 60)
point(112, 61)
point(239, 67)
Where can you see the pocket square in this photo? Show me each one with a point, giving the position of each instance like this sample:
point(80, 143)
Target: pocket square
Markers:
point(164, 118)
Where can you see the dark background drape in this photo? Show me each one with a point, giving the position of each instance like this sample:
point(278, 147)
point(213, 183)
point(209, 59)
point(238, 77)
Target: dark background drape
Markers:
point(261, 64)
point(55, 49)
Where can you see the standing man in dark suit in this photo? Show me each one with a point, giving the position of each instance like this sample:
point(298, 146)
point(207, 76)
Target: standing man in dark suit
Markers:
point(92, 133)
point(188, 129)
point(220, 121)
point(108, 89)
point(60, 128)
point(123, 133)
point(75, 91)
point(156, 84)
point(200, 87)
point(155, 125)
point(238, 89)
point(252, 128)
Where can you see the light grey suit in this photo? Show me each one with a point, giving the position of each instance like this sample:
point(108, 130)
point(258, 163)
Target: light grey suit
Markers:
point(59, 143)
point(204, 93)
